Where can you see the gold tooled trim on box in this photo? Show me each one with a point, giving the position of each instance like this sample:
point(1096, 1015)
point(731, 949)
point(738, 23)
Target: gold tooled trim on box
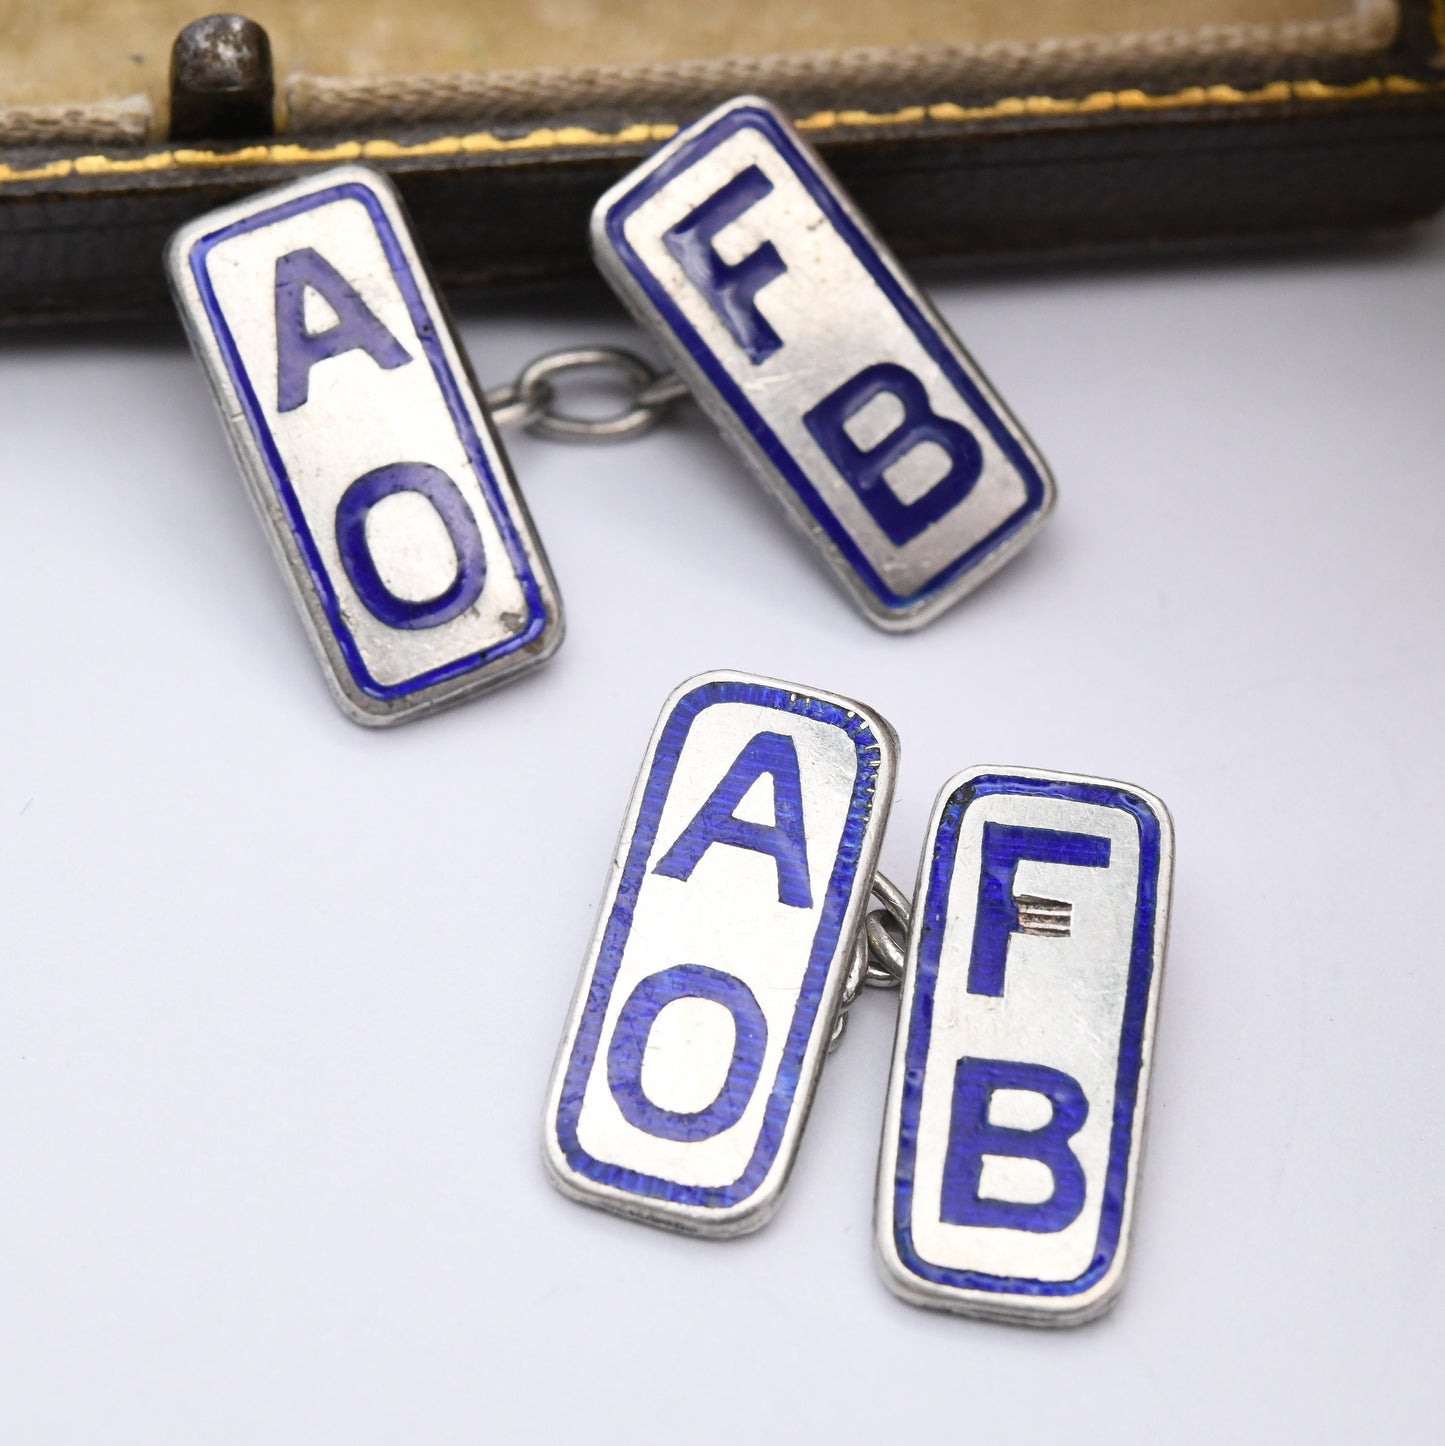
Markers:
point(288, 153)
point(1191, 97)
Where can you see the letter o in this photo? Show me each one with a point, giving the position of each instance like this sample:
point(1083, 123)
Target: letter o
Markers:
point(629, 1044)
point(446, 497)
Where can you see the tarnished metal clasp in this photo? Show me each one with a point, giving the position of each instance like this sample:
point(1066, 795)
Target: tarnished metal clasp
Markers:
point(878, 952)
point(682, 1088)
point(530, 401)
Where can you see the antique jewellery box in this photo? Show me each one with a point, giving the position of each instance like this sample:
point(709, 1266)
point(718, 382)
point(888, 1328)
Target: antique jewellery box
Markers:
point(976, 129)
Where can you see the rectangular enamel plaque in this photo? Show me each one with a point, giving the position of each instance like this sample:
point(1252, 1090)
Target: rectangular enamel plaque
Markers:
point(368, 452)
point(817, 357)
point(1013, 1130)
point(703, 1014)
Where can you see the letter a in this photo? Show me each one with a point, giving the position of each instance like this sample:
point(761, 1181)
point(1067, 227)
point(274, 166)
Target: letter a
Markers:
point(298, 350)
point(770, 753)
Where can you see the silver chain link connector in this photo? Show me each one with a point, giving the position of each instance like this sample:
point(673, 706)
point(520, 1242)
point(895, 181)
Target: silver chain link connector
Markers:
point(878, 952)
point(530, 402)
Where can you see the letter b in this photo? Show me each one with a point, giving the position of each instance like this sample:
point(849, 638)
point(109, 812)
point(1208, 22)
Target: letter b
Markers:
point(863, 470)
point(971, 1136)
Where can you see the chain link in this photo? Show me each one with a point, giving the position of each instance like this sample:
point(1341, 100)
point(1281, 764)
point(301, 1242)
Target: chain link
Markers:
point(530, 402)
point(878, 951)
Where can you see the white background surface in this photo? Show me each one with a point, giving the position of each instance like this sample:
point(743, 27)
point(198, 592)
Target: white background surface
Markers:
point(279, 996)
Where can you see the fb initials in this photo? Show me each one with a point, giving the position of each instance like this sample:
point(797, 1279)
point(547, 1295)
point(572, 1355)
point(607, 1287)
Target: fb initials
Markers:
point(972, 1135)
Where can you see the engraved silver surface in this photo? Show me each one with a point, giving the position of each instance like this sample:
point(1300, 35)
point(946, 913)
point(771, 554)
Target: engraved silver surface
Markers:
point(728, 917)
point(833, 318)
point(1081, 973)
point(358, 416)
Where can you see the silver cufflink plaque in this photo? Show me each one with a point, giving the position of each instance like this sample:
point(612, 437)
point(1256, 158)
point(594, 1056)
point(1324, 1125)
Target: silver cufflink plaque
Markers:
point(822, 363)
point(715, 978)
point(368, 452)
point(1013, 1129)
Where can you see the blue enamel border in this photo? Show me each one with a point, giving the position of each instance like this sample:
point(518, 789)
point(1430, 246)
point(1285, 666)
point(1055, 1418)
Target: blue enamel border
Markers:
point(619, 925)
point(920, 1024)
point(692, 149)
point(426, 329)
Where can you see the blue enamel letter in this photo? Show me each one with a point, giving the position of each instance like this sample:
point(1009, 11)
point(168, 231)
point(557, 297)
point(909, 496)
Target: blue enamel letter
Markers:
point(774, 754)
point(730, 288)
point(863, 470)
point(1004, 847)
point(446, 497)
point(971, 1137)
point(298, 350)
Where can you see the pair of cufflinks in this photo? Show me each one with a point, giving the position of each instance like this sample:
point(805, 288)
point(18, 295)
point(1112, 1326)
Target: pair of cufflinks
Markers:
point(733, 935)
point(734, 932)
point(379, 474)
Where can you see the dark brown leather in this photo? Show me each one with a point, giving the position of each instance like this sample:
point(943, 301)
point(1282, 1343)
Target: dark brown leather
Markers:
point(1304, 157)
